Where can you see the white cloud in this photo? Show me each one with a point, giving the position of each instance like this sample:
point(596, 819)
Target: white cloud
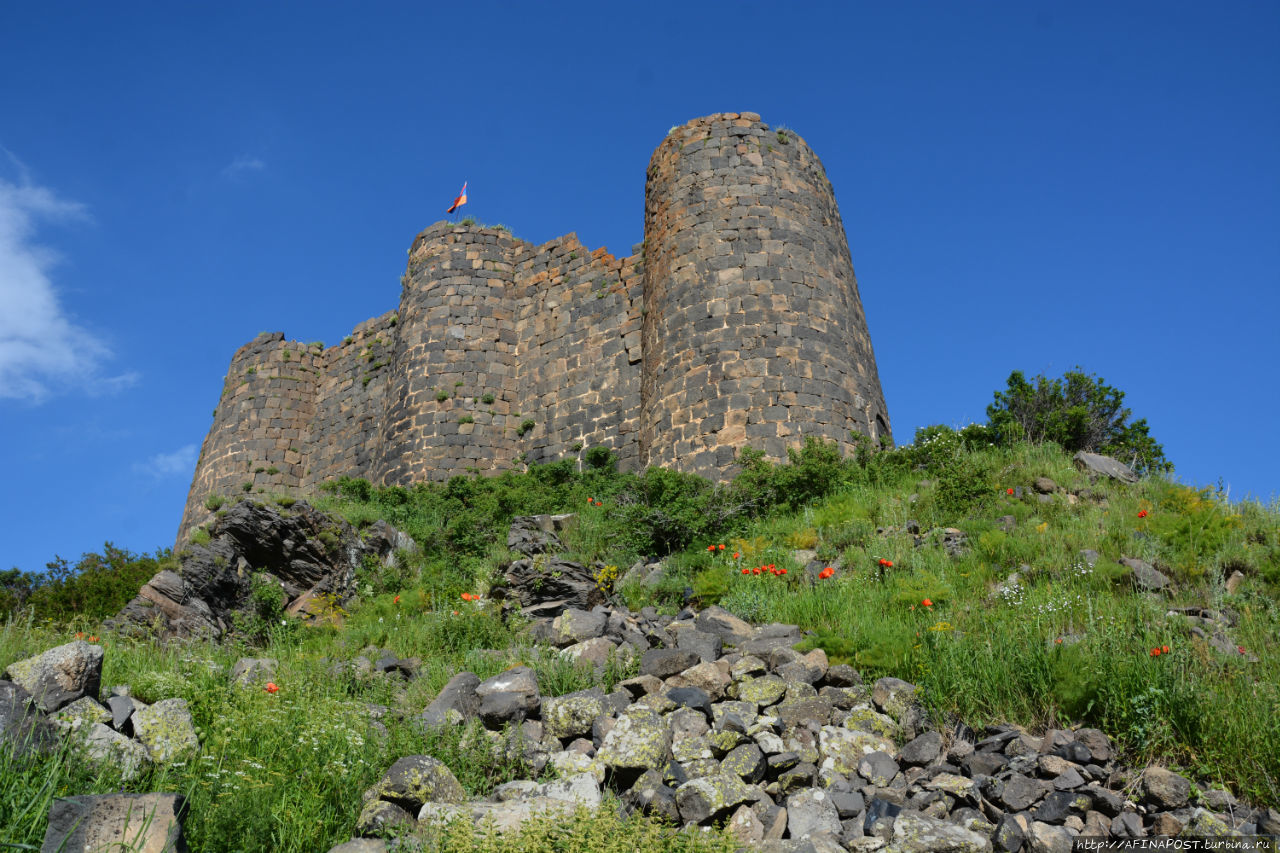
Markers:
point(242, 165)
point(41, 349)
point(179, 462)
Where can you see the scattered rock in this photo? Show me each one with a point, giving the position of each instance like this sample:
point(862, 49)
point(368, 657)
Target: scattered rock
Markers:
point(1097, 465)
point(59, 676)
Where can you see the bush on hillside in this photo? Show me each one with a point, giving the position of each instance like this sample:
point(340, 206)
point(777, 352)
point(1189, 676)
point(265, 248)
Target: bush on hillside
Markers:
point(1078, 412)
point(96, 587)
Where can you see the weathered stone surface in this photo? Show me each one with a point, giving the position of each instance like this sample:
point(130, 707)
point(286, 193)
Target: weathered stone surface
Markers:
point(384, 819)
point(456, 702)
point(59, 676)
point(722, 623)
point(21, 722)
point(916, 833)
point(415, 780)
point(249, 672)
point(1098, 465)
point(82, 712)
point(922, 749)
point(664, 663)
point(151, 823)
point(893, 696)
point(842, 750)
point(1164, 788)
point(536, 534)
point(1146, 576)
point(811, 811)
point(705, 799)
point(649, 796)
point(574, 626)
point(639, 741)
point(547, 586)
point(166, 730)
point(1047, 838)
point(571, 715)
point(763, 692)
point(104, 746)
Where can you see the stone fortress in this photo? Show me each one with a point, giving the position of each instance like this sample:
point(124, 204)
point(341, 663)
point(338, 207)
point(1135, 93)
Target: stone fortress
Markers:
point(736, 322)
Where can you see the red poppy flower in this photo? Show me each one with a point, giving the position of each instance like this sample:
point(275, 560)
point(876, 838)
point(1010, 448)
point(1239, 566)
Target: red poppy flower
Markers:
point(79, 635)
point(591, 500)
point(93, 639)
point(396, 600)
point(1155, 653)
point(455, 613)
point(888, 564)
point(271, 687)
point(1240, 649)
point(466, 596)
point(1008, 491)
point(711, 547)
point(737, 554)
point(755, 571)
point(1058, 641)
point(746, 571)
point(772, 565)
point(927, 603)
point(1142, 513)
point(722, 547)
point(1164, 650)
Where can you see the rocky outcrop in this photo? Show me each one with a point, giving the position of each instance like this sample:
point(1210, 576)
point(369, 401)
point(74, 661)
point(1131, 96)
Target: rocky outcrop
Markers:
point(307, 553)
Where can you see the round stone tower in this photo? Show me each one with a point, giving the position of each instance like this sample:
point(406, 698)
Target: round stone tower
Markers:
point(753, 332)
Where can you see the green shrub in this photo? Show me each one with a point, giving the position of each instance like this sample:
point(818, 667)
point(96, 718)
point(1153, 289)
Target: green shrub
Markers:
point(213, 503)
point(487, 399)
point(466, 419)
point(600, 459)
point(97, 586)
point(526, 426)
point(1079, 412)
point(441, 396)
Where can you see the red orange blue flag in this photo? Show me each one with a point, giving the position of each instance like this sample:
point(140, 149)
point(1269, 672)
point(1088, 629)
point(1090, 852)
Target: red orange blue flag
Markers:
point(460, 200)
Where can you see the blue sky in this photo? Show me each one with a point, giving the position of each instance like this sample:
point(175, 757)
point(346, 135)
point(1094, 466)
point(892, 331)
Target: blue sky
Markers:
point(1024, 186)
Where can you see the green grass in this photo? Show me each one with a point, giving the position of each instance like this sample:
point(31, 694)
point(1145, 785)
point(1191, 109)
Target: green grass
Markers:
point(1069, 645)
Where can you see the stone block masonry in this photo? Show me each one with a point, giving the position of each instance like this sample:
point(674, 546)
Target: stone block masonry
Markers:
point(736, 323)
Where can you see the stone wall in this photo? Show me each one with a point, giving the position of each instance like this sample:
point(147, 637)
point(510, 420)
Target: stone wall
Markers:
point(755, 333)
point(736, 323)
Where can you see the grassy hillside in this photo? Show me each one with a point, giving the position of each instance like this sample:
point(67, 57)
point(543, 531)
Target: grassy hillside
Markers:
point(1067, 642)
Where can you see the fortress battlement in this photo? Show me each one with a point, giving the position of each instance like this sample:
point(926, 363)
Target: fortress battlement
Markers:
point(736, 323)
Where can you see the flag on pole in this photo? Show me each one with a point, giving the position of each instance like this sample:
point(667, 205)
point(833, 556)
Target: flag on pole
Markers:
point(460, 200)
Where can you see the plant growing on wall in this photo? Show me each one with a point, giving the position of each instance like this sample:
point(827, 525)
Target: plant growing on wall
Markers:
point(441, 396)
point(487, 399)
point(526, 426)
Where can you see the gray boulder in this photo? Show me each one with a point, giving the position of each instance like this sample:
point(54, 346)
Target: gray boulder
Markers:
point(91, 824)
point(416, 780)
point(1145, 575)
point(812, 811)
point(1097, 465)
point(61, 675)
point(22, 723)
point(456, 702)
point(708, 798)
point(917, 833)
point(105, 746)
point(166, 730)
